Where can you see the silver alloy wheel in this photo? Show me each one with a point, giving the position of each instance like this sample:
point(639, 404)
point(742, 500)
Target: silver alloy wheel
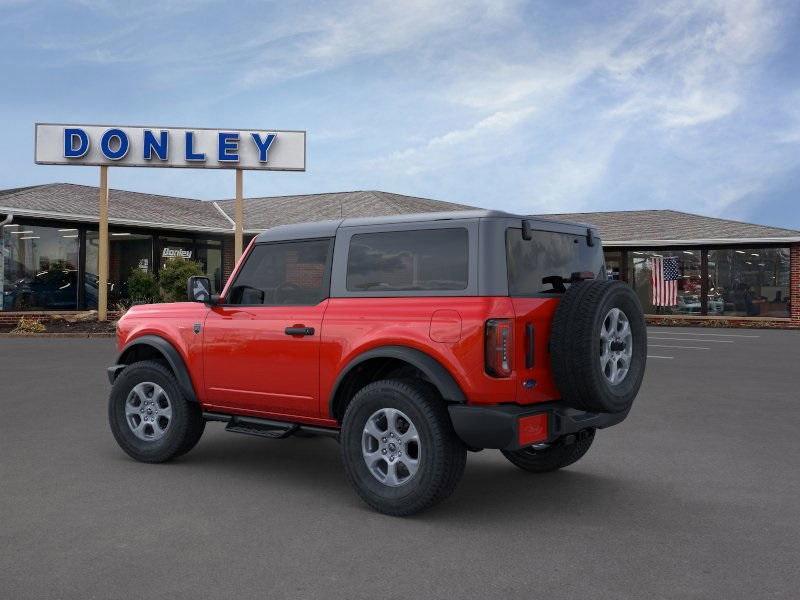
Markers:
point(391, 447)
point(616, 346)
point(148, 411)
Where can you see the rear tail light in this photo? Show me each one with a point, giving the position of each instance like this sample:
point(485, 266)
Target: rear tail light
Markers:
point(499, 346)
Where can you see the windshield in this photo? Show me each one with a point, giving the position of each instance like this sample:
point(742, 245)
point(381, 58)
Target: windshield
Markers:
point(546, 263)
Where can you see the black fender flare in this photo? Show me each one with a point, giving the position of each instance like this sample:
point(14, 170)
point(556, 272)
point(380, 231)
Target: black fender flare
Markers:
point(439, 376)
point(170, 354)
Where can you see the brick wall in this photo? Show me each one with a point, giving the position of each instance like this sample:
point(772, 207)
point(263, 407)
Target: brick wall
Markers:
point(794, 283)
point(227, 259)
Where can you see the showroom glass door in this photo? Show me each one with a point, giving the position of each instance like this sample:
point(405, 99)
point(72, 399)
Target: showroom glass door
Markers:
point(128, 252)
point(209, 255)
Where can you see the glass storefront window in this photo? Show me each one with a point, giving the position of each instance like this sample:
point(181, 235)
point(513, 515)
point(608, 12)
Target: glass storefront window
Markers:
point(204, 251)
point(747, 282)
point(209, 255)
point(687, 301)
point(614, 267)
point(39, 268)
point(176, 247)
point(127, 252)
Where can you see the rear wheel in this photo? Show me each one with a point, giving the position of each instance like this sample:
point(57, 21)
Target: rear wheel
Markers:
point(149, 416)
point(398, 446)
point(560, 454)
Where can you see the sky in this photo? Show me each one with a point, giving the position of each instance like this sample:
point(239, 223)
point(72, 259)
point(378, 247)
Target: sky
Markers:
point(531, 107)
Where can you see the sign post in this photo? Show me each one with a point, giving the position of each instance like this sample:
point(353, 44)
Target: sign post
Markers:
point(175, 147)
point(238, 241)
point(102, 255)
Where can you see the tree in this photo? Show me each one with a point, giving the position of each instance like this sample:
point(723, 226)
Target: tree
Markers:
point(173, 277)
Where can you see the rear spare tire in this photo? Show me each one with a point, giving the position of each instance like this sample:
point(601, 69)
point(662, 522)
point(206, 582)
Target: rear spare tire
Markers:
point(599, 346)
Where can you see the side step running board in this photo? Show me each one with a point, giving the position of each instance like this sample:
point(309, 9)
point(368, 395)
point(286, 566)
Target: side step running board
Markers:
point(265, 427)
point(262, 427)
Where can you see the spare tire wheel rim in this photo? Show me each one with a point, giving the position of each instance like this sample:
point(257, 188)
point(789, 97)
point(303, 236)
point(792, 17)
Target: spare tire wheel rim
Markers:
point(391, 447)
point(616, 346)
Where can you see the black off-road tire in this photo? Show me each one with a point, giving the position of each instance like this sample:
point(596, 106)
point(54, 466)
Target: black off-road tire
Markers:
point(185, 427)
point(442, 455)
point(576, 343)
point(557, 456)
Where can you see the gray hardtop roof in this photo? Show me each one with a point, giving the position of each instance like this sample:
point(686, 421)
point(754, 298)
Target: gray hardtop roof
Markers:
point(322, 229)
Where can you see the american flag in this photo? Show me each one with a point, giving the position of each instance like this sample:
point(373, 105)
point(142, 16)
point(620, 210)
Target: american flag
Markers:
point(664, 277)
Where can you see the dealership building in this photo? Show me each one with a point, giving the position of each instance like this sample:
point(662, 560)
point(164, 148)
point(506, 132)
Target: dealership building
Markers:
point(728, 271)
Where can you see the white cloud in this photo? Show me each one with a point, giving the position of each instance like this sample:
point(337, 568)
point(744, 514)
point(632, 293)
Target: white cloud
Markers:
point(348, 32)
point(480, 142)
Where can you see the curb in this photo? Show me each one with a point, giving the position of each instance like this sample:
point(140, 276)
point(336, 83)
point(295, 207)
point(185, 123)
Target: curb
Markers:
point(56, 335)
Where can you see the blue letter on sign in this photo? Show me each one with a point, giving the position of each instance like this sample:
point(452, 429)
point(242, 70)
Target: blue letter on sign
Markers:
point(190, 153)
point(70, 137)
point(105, 144)
point(263, 145)
point(228, 142)
point(158, 146)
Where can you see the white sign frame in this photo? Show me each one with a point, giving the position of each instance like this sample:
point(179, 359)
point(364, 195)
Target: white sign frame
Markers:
point(286, 151)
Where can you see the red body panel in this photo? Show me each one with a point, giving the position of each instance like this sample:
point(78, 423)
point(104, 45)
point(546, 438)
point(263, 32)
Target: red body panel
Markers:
point(354, 325)
point(242, 361)
point(252, 364)
point(539, 313)
point(175, 323)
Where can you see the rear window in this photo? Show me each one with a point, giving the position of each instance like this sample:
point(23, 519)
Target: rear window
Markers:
point(420, 260)
point(545, 264)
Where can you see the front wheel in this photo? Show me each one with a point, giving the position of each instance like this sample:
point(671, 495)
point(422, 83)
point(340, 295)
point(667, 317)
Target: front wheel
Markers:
point(398, 446)
point(555, 456)
point(149, 416)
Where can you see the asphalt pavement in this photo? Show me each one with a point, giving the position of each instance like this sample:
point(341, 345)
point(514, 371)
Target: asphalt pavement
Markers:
point(695, 495)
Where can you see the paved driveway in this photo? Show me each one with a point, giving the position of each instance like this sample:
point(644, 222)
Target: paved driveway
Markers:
point(696, 495)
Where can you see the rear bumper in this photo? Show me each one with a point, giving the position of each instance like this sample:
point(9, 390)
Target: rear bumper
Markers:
point(498, 426)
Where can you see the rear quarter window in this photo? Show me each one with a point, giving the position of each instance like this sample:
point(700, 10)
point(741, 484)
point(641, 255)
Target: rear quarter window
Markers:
point(545, 263)
point(420, 260)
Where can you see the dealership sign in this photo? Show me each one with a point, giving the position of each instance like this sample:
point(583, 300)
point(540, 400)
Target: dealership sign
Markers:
point(176, 253)
point(110, 145)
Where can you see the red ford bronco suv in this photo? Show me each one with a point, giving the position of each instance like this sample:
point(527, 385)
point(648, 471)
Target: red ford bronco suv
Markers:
point(410, 339)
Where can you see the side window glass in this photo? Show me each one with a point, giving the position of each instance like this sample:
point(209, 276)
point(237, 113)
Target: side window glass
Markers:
point(284, 273)
point(421, 260)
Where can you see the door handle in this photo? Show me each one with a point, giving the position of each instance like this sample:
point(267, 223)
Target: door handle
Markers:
point(299, 330)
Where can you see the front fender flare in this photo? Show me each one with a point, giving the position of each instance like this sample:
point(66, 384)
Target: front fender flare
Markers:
point(170, 354)
point(438, 375)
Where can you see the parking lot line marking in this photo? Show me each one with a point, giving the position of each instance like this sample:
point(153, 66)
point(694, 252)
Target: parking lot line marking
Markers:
point(687, 347)
point(650, 337)
point(736, 335)
point(654, 356)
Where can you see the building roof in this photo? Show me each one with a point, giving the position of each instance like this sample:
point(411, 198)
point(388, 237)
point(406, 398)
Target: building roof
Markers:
point(72, 202)
point(672, 228)
point(66, 201)
point(264, 213)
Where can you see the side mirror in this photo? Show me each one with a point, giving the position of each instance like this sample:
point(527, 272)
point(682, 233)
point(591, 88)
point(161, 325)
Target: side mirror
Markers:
point(198, 289)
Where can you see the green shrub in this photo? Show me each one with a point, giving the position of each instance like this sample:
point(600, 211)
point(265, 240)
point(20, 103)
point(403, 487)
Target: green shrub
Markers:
point(173, 276)
point(142, 286)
